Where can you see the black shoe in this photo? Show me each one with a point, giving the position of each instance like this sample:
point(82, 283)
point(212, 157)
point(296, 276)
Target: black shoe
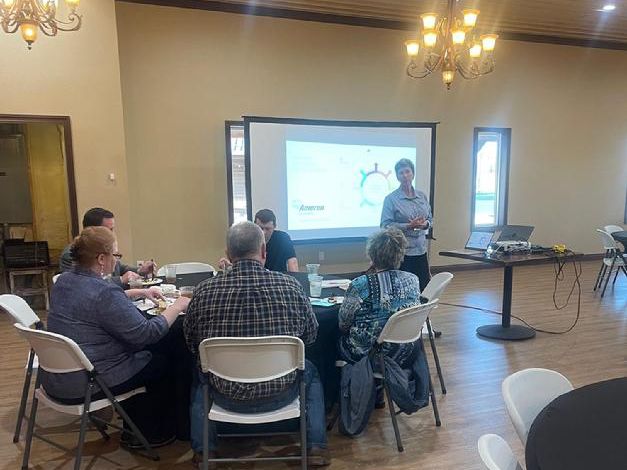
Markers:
point(437, 333)
point(129, 441)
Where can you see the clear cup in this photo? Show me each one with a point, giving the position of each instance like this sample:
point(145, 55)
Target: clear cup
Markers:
point(315, 285)
point(136, 283)
point(187, 291)
point(170, 273)
point(312, 270)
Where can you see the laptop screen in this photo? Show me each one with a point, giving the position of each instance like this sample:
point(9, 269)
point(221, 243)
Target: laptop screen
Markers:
point(479, 240)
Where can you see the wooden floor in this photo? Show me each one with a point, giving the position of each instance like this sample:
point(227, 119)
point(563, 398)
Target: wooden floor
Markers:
point(473, 368)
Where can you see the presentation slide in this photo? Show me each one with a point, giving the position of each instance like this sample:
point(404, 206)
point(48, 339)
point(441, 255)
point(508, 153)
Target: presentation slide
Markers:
point(329, 181)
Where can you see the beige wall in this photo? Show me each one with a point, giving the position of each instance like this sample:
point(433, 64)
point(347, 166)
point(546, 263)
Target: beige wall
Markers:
point(77, 74)
point(184, 72)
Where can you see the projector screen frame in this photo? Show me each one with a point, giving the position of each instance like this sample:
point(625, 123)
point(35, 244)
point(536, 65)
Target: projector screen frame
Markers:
point(247, 120)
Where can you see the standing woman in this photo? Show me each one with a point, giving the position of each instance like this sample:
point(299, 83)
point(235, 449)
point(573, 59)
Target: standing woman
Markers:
point(408, 209)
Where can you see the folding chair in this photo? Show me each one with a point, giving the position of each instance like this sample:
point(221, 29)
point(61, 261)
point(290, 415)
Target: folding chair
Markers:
point(527, 392)
point(188, 268)
point(25, 316)
point(405, 326)
point(496, 453)
point(60, 355)
point(434, 290)
point(613, 228)
point(252, 360)
point(612, 258)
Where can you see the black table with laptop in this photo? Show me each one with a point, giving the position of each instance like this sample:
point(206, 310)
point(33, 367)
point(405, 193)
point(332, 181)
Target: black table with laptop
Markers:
point(581, 430)
point(478, 248)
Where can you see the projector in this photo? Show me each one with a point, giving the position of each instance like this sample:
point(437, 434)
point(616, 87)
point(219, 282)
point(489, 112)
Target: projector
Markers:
point(511, 246)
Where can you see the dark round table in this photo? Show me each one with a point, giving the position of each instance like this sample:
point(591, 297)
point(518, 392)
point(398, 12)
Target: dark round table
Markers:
point(585, 429)
point(323, 352)
point(621, 237)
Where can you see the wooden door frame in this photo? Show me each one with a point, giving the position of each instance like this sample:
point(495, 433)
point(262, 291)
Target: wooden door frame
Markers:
point(69, 153)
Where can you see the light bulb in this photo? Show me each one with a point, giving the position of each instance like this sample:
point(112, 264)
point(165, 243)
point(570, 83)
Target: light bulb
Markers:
point(475, 50)
point(413, 47)
point(29, 32)
point(489, 41)
point(470, 17)
point(430, 38)
point(429, 20)
point(8, 3)
point(459, 36)
point(73, 4)
point(447, 77)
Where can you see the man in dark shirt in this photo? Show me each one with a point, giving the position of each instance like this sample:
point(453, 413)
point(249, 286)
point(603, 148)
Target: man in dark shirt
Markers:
point(122, 273)
point(280, 250)
point(250, 300)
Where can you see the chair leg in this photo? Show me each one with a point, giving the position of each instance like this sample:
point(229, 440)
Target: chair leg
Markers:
point(609, 275)
point(597, 284)
point(101, 427)
point(205, 428)
point(616, 276)
point(31, 427)
point(434, 404)
point(125, 417)
point(435, 356)
point(397, 434)
point(81, 434)
point(25, 389)
point(303, 423)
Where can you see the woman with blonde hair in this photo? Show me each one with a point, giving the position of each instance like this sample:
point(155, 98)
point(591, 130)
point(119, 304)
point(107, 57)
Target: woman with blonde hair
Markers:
point(114, 335)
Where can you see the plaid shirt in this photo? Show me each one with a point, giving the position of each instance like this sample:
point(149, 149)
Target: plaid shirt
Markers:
point(249, 301)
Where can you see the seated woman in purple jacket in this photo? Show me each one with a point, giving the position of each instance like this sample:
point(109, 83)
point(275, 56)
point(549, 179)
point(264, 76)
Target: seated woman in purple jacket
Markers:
point(114, 335)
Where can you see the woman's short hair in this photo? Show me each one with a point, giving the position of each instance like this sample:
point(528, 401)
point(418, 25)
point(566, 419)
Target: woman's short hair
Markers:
point(386, 248)
point(92, 242)
point(404, 163)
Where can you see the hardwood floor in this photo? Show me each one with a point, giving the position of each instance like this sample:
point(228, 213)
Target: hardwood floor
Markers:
point(473, 369)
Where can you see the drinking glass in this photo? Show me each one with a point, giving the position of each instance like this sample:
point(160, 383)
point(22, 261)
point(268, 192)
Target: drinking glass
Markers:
point(312, 270)
point(315, 285)
point(187, 291)
point(170, 273)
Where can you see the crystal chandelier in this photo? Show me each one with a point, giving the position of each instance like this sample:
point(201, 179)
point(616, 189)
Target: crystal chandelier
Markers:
point(30, 15)
point(451, 45)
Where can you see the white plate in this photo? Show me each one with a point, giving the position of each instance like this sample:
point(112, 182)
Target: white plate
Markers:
point(152, 282)
point(155, 311)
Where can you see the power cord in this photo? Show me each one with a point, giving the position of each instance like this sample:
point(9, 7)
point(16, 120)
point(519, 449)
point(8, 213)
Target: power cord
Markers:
point(558, 266)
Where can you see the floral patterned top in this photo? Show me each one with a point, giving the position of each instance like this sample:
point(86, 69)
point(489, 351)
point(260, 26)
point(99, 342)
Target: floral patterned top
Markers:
point(370, 300)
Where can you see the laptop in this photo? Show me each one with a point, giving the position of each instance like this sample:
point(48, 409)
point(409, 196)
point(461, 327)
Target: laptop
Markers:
point(479, 241)
point(515, 233)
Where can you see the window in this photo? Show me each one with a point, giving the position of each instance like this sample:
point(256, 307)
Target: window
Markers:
point(236, 169)
point(490, 177)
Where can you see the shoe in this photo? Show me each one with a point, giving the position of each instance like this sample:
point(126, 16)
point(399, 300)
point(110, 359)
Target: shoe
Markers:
point(129, 441)
point(318, 457)
point(437, 333)
point(197, 460)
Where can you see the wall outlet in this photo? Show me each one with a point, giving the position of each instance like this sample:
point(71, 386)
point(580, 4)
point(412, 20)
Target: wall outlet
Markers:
point(321, 256)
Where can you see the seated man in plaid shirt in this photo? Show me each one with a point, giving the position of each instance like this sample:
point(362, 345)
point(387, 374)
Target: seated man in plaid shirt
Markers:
point(252, 301)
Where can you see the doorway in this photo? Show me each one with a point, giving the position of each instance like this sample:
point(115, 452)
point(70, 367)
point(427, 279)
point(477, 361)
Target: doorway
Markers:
point(37, 188)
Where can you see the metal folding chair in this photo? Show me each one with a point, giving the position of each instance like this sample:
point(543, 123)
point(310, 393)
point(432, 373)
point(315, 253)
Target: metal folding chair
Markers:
point(60, 355)
point(25, 316)
point(252, 360)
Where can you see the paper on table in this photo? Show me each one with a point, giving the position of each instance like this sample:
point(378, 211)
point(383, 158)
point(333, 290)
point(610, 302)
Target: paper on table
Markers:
point(326, 302)
point(341, 283)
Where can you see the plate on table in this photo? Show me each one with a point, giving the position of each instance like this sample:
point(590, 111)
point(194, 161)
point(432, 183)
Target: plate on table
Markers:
point(151, 282)
point(160, 309)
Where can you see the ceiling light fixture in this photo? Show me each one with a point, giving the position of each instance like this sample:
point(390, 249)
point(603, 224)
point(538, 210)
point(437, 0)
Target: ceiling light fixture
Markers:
point(451, 45)
point(609, 7)
point(29, 16)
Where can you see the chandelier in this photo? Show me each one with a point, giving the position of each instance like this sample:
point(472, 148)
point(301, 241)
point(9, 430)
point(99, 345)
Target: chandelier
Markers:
point(30, 15)
point(451, 45)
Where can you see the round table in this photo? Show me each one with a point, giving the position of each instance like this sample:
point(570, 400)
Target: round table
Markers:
point(323, 352)
point(621, 237)
point(581, 430)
